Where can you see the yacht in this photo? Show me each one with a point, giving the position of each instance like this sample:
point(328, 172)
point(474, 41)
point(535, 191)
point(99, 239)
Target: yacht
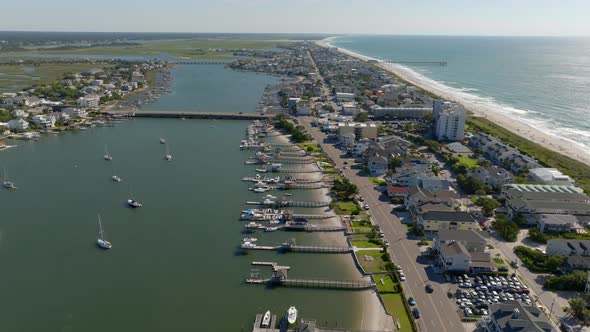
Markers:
point(292, 315)
point(266, 320)
point(100, 240)
point(7, 183)
point(260, 190)
point(116, 178)
point(107, 156)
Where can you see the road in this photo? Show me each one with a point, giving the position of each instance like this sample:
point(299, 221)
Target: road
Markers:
point(437, 311)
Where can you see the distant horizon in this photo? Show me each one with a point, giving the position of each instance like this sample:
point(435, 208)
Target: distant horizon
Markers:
point(328, 35)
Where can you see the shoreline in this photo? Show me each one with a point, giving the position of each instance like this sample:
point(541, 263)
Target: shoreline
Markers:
point(506, 120)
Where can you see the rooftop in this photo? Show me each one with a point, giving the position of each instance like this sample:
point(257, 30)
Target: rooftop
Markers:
point(445, 235)
point(513, 316)
point(448, 216)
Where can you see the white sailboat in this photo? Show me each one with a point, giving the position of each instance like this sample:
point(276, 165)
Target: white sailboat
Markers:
point(168, 156)
point(100, 239)
point(131, 201)
point(292, 315)
point(7, 183)
point(115, 178)
point(107, 156)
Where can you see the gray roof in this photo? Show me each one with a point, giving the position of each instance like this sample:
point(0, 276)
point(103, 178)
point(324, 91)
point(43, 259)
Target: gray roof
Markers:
point(445, 235)
point(558, 219)
point(453, 249)
point(578, 262)
point(448, 216)
point(513, 316)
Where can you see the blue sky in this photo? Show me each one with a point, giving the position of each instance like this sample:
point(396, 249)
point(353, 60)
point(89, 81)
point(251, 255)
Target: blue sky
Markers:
point(428, 17)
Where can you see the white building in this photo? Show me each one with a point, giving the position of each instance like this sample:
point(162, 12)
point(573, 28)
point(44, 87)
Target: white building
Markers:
point(76, 112)
point(344, 96)
point(350, 108)
point(18, 124)
point(449, 121)
point(19, 114)
point(89, 101)
point(549, 176)
point(44, 121)
point(360, 147)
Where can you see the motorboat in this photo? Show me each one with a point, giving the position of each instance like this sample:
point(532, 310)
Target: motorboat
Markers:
point(269, 197)
point(246, 245)
point(250, 239)
point(107, 156)
point(100, 239)
point(133, 203)
point(292, 315)
point(162, 141)
point(260, 190)
point(168, 156)
point(271, 229)
point(116, 178)
point(266, 320)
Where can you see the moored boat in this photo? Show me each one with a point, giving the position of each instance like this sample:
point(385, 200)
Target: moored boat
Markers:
point(292, 315)
point(266, 319)
point(100, 239)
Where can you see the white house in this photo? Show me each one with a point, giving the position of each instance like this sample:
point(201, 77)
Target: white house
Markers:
point(377, 165)
point(19, 114)
point(89, 101)
point(344, 96)
point(76, 112)
point(549, 176)
point(18, 124)
point(44, 121)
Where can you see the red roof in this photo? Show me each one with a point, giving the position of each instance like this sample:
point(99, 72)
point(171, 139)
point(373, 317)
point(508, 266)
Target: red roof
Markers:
point(398, 190)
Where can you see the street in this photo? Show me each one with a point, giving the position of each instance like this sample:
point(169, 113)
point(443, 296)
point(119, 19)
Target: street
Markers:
point(438, 312)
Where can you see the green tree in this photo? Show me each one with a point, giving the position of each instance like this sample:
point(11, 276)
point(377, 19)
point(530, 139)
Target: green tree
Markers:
point(577, 307)
point(361, 117)
point(507, 229)
point(488, 205)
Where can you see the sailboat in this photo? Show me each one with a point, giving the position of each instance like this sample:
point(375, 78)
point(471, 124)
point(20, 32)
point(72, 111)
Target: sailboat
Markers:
point(115, 177)
point(7, 183)
point(131, 201)
point(107, 156)
point(100, 240)
point(292, 315)
point(168, 156)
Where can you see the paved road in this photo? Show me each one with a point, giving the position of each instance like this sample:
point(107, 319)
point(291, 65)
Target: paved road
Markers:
point(438, 313)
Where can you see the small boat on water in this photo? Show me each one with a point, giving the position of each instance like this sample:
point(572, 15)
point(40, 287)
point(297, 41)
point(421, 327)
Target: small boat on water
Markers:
point(246, 245)
point(288, 194)
point(250, 239)
point(271, 229)
point(132, 202)
point(292, 315)
point(100, 239)
point(162, 140)
point(168, 156)
point(116, 178)
point(107, 156)
point(266, 320)
point(7, 183)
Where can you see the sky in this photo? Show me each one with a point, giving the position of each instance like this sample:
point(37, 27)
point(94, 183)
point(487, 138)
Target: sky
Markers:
point(413, 17)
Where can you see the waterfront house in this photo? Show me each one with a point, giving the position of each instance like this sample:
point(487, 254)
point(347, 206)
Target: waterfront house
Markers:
point(434, 221)
point(565, 247)
point(75, 112)
point(515, 316)
point(90, 101)
point(18, 125)
point(19, 114)
point(418, 199)
point(43, 121)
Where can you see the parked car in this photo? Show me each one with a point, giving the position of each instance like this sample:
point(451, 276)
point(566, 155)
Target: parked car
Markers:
point(416, 313)
point(386, 243)
point(411, 301)
point(429, 288)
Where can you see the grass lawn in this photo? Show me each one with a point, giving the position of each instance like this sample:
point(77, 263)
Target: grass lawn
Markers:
point(394, 306)
point(357, 226)
point(371, 260)
point(377, 181)
point(365, 244)
point(385, 284)
point(499, 261)
point(346, 208)
point(310, 147)
point(470, 163)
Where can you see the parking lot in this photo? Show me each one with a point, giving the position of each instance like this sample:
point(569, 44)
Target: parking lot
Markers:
point(473, 295)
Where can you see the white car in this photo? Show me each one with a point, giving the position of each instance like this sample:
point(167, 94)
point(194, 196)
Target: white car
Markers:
point(402, 277)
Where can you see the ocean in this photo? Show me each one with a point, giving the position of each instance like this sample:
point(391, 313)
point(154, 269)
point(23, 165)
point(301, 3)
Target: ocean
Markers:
point(543, 81)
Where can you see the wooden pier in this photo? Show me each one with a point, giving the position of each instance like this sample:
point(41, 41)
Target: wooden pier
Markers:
point(303, 249)
point(304, 204)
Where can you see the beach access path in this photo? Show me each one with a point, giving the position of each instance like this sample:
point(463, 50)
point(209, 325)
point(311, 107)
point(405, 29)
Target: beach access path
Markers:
point(437, 311)
point(506, 120)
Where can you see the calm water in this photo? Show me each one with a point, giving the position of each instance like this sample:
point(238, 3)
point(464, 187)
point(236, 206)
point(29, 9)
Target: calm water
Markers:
point(173, 265)
point(545, 81)
point(212, 88)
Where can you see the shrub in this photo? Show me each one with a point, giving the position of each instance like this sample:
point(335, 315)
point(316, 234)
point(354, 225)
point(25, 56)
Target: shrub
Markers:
point(575, 281)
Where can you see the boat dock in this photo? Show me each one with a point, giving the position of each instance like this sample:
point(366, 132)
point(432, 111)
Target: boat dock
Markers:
point(305, 249)
point(304, 325)
point(258, 323)
point(304, 204)
point(280, 278)
point(314, 228)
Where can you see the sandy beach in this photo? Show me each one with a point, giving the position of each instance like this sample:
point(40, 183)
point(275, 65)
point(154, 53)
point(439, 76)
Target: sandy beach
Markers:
point(497, 115)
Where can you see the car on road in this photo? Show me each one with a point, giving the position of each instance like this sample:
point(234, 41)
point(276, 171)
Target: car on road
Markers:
point(429, 288)
point(411, 301)
point(345, 163)
point(381, 234)
point(366, 206)
point(386, 243)
point(402, 276)
point(344, 167)
point(416, 313)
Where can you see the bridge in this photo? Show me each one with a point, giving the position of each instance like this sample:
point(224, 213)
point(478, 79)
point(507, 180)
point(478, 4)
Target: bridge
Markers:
point(189, 115)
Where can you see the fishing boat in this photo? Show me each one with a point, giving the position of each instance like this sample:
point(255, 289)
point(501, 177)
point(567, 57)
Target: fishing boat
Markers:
point(292, 315)
point(168, 156)
point(7, 183)
point(266, 320)
point(132, 202)
point(107, 156)
point(100, 239)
